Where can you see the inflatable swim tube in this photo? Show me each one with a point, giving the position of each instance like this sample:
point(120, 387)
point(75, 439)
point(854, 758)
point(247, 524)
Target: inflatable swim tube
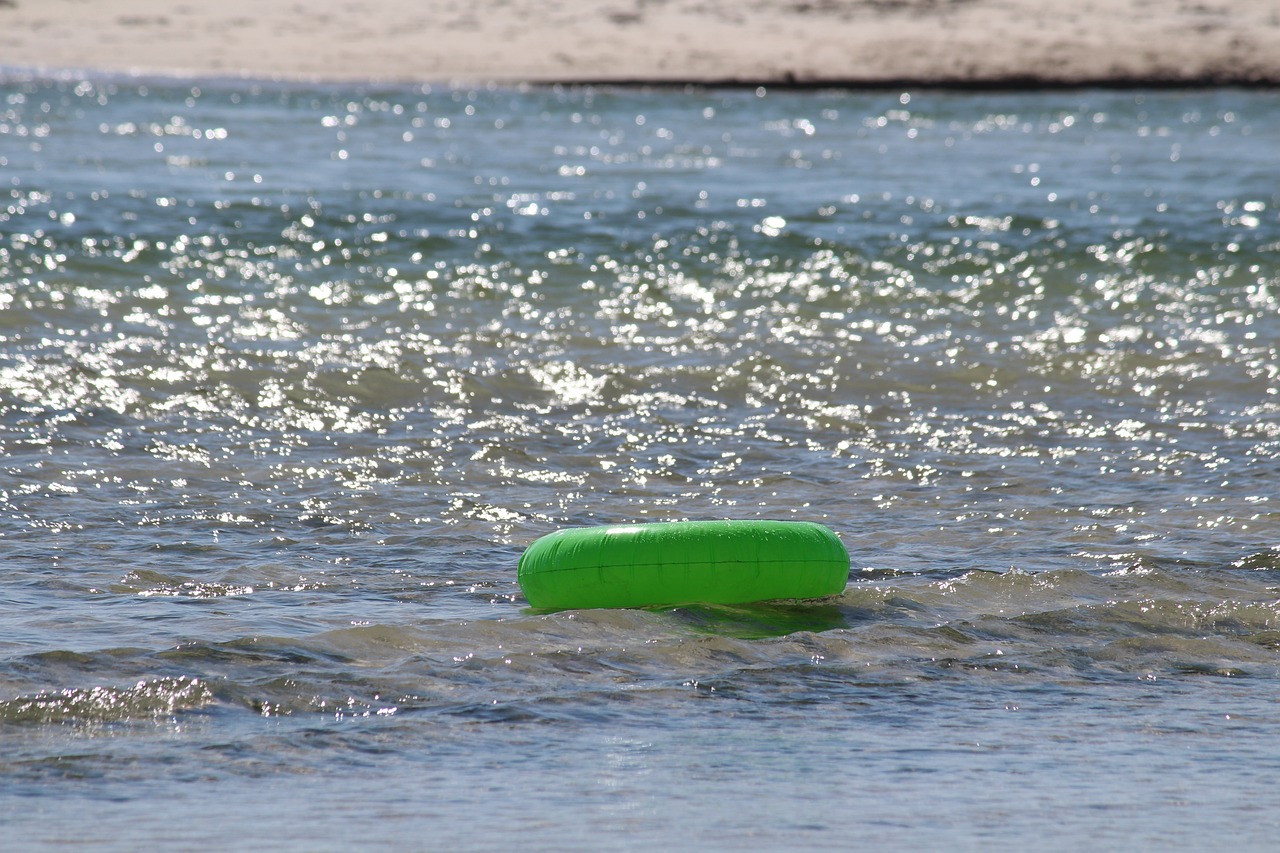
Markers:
point(682, 562)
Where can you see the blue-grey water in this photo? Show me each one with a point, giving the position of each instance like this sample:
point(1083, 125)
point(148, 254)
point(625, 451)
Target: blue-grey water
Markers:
point(290, 375)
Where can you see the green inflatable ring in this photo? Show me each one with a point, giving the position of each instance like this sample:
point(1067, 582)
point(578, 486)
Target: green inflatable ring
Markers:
point(682, 562)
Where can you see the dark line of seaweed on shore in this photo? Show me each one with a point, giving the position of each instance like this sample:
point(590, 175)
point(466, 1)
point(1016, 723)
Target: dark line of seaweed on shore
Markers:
point(1011, 83)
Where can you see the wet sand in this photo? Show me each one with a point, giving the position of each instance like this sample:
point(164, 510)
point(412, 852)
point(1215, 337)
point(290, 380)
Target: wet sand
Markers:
point(803, 42)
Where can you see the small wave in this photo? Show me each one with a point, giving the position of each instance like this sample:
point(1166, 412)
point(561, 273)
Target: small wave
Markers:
point(148, 584)
point(161, 697)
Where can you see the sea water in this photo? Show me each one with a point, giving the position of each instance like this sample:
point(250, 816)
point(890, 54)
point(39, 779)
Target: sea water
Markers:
point(291, 374)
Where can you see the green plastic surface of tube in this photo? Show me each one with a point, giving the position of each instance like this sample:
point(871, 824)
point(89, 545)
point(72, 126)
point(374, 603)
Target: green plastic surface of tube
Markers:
point(683, 562)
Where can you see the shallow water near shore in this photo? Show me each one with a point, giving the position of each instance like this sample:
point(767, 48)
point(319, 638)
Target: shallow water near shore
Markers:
point(290, 375)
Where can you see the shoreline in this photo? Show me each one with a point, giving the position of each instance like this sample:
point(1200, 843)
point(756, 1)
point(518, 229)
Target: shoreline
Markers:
point(798, 44)
point(1009, 84)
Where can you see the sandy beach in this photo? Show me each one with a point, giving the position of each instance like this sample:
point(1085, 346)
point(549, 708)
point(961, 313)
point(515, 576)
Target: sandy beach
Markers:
point(804, 42)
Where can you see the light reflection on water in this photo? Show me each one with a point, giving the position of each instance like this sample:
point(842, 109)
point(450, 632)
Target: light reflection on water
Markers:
point(289, 376)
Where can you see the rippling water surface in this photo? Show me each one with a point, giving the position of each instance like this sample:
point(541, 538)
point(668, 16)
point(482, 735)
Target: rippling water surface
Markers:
point(289, 376)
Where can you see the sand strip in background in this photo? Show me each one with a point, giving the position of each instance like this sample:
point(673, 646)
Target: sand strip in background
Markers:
point(805, 42)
